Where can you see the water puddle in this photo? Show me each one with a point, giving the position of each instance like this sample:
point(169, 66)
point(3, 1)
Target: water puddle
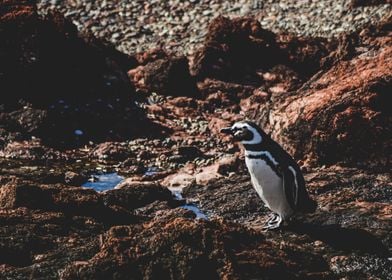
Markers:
point(177, 192)
point(107, 181)
point(103, 182)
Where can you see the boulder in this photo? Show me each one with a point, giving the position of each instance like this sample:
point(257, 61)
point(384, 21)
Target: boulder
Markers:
point(166, 76)
point(29, 150)
point(173, 247)
point(180, 179)
point(132, 195)
point(233, 49)
point(332, 120)
point(111, 151)
point(60, 86)
point(73, 201)
point(14, 195)
point(73, 178)
point(207, 174)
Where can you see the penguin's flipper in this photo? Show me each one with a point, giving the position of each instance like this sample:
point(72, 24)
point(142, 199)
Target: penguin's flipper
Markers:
point(290, 185)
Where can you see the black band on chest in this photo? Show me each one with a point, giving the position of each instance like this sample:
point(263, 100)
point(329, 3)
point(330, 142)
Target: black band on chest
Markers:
point(255, 147)
point(268, 161)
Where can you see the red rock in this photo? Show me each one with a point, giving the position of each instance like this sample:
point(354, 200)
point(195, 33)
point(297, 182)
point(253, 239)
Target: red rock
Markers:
point(227, 164)
point(173, 247)
point(216, 124)
point(131, 195)
point(111, 151)
point(74, 201)
point(151, 55)
point(23, 195)
point(342, 119)
point(30, 150)
point(234, 90)
point(52, 105)
point(207, 175)
point(165, 76)
point(180, 179)
point(233, 48)
point(74, 178)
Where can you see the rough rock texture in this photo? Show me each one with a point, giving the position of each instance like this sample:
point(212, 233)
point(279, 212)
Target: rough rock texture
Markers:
point(167, 76)
point(69, 200)
point(29, 150)
point(355, 123)
point(188, 249)
point(46, 227)
point(230, 48)
point(111, 151)
point(359, 3)
point(353, 219)
point(132, 196)
point(60, 86)
point(326, 101)
point(299, 82)
point(240, 49)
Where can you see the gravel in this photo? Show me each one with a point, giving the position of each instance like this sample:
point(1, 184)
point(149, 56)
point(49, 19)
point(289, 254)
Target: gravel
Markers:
point(180, 26)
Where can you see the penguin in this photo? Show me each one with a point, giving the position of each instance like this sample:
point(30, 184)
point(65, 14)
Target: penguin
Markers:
point(274, 174)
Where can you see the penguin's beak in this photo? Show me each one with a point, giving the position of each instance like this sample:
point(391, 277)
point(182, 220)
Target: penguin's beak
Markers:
point(227, 130)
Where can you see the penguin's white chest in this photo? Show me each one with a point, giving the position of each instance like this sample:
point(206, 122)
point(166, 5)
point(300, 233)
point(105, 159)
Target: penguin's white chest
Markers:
point(269, 186)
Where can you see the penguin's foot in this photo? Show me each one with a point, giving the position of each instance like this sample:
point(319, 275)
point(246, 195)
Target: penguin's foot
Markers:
point(273, 222)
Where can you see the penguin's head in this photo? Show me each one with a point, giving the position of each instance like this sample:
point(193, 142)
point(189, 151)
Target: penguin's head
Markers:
point(245, 132)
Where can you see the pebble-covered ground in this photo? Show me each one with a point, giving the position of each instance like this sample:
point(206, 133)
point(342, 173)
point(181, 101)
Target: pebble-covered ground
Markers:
point(136, 25)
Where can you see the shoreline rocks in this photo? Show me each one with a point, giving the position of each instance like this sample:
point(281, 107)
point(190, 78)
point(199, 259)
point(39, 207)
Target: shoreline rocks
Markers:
point(324, 99)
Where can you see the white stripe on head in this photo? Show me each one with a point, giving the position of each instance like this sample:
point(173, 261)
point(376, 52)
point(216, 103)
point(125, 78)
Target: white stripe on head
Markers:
point(256, 135)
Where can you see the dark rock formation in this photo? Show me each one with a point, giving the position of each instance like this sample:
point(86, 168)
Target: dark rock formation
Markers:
point(166, 76)
point(353, 218)
point(339, 115)
point(326, 101)
point(111, 151)
point(234, 49)
point(239, 49)
point(60, 86)
point(361, 3)
point(75, 179)
point(180, 248)
point(29, 150)
point(133, 196)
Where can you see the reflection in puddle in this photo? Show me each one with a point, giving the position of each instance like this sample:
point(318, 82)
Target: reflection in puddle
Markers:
point(103, 182)
point(189, 206)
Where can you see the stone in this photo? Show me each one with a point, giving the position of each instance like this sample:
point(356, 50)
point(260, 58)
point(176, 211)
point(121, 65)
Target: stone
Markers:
point(227, 164)
point(233, 47)
point(166, 76)
point(52, 105)
point(354, 113)
point(111, 151)
point(14, 195)
point(132, 195)
point(207, 175)
point(179, 180)
point(197, 249)
point(74, 178)
point(29, 150)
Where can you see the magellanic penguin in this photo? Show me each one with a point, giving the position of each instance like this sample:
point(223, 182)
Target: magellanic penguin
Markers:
point(275, 175)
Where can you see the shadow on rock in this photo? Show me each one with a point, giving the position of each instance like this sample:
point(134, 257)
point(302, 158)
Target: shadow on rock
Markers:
point(61, 86)
point(345, 239)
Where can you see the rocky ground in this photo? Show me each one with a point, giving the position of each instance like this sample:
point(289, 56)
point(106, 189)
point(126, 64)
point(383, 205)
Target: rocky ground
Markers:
point(181, 26)
point(74, 107)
